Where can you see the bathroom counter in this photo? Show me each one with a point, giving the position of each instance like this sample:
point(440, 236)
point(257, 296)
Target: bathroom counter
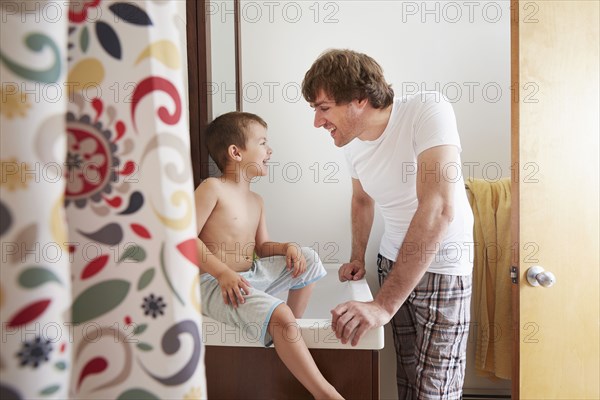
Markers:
point(316, 323)
point(258, 373)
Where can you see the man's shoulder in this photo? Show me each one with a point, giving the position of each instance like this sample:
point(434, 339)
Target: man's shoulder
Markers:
point(420, 107)
point(427, 97)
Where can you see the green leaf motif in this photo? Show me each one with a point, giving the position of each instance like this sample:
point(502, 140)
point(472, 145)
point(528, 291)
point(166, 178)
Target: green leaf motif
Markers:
point(146, 278)
point(36, 276)
point(99, 299)
point(144, 346)
point(136, 253)
point(84, 39)
point(36, 42)
point(50, 390)
point(140, 329)
point(137, 394)
point(61, 365)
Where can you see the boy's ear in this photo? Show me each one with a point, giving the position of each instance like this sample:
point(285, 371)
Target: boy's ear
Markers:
point(234, 152)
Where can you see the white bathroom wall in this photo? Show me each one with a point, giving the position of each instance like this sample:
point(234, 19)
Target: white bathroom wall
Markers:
point(459, 48)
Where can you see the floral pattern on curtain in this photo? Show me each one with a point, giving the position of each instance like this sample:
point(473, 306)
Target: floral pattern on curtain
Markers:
point(99, 292)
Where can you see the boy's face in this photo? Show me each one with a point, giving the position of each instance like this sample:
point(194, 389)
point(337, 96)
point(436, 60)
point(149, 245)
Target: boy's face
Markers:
point(257, 153)
point(341, 120)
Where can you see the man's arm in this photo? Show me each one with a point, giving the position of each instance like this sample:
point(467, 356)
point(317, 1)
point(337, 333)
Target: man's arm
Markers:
point(435, 194)
point(362, 210)
point(427, 228)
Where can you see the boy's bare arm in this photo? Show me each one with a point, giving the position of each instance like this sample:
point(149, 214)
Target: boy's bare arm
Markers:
point(266, 248)
point(208, 261)
point(206, 198)
point(230, 281)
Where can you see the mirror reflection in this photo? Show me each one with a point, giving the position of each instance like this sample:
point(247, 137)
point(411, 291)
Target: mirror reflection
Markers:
point(459, 49)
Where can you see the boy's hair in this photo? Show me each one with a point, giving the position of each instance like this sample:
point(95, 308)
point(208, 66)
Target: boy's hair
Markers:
point(228, 129)
point(347, 75)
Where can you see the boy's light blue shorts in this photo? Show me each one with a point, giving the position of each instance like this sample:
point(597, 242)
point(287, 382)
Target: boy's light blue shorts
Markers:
point(267, 277)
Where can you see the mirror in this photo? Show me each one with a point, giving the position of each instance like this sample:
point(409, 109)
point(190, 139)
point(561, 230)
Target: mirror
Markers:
point(224, 56)
point(214, 73)
point(461, 49)
point(224, 72)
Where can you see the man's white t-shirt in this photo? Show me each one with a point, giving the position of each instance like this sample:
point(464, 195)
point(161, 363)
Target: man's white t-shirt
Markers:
point(387, 170)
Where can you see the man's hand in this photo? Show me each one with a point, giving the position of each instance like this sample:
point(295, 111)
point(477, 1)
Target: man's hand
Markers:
point(352, 271)
point(232, 284)
point(295, 259)
point(354, 318)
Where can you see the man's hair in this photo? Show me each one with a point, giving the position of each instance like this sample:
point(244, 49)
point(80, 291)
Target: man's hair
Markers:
point(346, 75)
point(228, 129)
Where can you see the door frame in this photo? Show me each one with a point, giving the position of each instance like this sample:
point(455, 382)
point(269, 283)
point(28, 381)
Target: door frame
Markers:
point(198, 51)
point(200, 78)
point(515, 240)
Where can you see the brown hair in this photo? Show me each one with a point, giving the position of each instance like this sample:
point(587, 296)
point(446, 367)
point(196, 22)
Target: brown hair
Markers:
point(228, 129)
point(347, 75)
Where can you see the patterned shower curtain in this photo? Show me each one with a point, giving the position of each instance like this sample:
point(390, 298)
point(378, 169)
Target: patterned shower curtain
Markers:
point(99, 293)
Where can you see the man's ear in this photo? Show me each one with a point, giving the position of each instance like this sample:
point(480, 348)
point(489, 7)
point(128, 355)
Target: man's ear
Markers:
point(234, 153)
point(362, 102)
point(359, 104)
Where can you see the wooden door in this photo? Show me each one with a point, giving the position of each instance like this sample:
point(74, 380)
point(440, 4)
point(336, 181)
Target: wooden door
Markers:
point(555, 221)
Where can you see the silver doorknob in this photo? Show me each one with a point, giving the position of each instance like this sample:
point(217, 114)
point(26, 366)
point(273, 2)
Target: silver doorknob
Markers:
point(537, 276)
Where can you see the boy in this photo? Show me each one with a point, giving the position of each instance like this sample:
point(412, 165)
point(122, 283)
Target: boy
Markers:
point(236, 288)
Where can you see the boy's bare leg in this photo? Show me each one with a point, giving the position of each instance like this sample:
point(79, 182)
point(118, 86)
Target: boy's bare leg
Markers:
point(298, 299)
point(295, 354)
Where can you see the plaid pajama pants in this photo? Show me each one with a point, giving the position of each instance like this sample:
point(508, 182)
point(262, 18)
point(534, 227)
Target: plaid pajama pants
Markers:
point(431, 330)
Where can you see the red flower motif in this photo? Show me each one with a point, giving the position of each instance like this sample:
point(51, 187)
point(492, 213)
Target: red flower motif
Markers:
point(92, 163)
point(78, 10)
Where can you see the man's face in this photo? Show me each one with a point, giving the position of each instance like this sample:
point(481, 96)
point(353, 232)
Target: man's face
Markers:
point(342, 121)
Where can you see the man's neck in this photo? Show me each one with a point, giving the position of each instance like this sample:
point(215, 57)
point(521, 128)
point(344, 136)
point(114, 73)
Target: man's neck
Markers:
point(377, 121)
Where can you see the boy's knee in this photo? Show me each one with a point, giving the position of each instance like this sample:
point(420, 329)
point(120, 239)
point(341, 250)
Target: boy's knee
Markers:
point(284, 324)
point(282, 314)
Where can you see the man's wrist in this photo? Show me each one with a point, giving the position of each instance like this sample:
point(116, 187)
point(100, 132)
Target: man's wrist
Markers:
point(358, 260)
point(385, 306)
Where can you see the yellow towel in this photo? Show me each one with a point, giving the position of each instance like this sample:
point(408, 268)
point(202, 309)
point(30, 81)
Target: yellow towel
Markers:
point(492, 302)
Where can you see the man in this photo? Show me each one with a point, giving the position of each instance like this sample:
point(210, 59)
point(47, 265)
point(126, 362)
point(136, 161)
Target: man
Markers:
point(403, 154)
